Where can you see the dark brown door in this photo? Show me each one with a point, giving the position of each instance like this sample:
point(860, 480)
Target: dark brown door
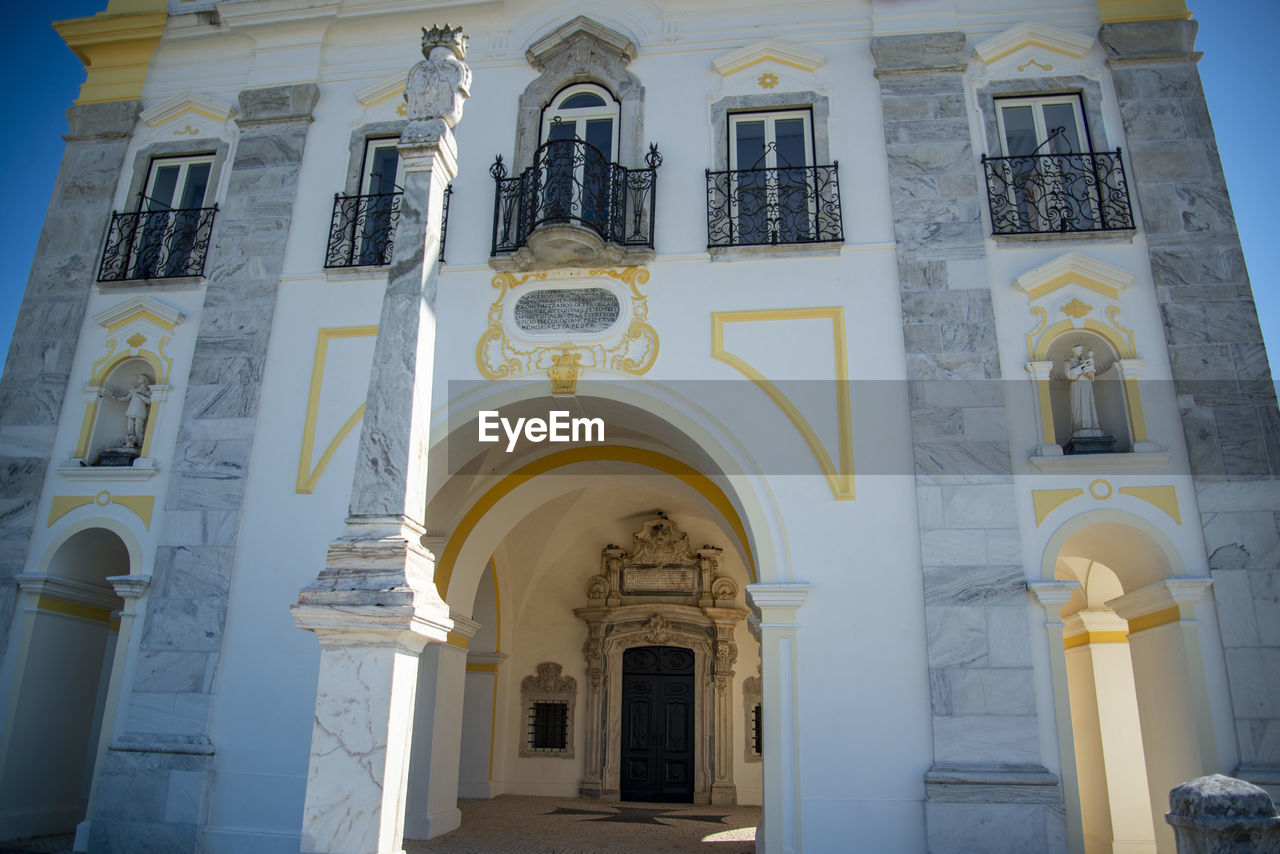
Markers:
point(657, 724)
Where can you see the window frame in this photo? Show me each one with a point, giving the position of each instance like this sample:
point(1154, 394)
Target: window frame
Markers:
point(184, 164)
point(770, 118)
point(611, 110)
point(1037, 103)
point(371, 145)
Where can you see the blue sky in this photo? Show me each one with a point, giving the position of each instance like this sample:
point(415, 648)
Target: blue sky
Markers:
point(1237, 37)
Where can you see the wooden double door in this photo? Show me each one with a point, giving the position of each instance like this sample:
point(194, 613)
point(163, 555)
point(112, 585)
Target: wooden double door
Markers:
point(657, 724)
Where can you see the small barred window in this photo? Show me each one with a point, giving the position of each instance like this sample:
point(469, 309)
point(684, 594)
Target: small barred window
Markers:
point(548, 726)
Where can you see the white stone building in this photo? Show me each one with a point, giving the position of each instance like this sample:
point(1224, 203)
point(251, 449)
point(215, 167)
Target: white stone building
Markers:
point(809, 275)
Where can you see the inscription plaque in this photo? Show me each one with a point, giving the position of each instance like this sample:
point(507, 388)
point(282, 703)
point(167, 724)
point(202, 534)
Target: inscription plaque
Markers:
point(567, 310)
point(668, 579)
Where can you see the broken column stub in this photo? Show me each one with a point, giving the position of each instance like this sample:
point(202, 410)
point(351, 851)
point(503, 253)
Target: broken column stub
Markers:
point(1223, 815)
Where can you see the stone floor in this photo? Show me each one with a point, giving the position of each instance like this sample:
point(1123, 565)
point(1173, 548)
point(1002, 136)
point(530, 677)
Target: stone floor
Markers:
point(569, 826)
point(510, 824)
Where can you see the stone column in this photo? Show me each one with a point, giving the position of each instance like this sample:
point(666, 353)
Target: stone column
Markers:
point(164, 747)
point(432, 796)
point(1220, 370)
point(38, 366)
point(130, 588)
point(374, 605)
point(779, 661)
point(593, 723)
point(723, 789)
point(1173, 703)
point(1222, 815)
point(988, 770)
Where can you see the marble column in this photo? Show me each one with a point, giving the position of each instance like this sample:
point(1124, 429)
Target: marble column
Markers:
point(374, 605)
point(779, 660)
point(132, 589)
point(1173, 702)
point(432, 795)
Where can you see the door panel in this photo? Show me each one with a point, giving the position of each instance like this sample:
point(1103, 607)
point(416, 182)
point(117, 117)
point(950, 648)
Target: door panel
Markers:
point(657, 725)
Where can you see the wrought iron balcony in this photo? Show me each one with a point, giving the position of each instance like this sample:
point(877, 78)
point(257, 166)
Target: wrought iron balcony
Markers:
point(1058, 193)
point(363, 229)
point(767, 207)
point(572, 183)
point(159, 244)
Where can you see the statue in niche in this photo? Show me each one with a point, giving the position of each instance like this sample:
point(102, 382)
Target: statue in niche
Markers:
point(1080, 370)
point(138, 403)
point(438, 86)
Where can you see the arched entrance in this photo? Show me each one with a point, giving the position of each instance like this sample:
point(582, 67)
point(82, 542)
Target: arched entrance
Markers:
point(1139, 717)
point(62, 648)
point(545, 569)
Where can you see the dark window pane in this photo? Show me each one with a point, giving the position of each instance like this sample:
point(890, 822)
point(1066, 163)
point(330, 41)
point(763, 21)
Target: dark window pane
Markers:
point(749, 139)
point(600, 134)
point(549, 726)
point(161, 196)
point(789, 134)
point(382, 172)
point(582, 99)
point(1061, 116)
point(1019, 131)
point(197, 181)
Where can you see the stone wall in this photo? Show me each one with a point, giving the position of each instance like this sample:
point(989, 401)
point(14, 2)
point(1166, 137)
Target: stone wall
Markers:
point(155, 780)
point(49, 323)
point(1221, 376)
point(987, 770)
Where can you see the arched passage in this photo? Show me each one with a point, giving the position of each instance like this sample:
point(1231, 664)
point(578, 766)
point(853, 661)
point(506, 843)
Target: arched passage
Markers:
point(63, 646)
point(1139, 715)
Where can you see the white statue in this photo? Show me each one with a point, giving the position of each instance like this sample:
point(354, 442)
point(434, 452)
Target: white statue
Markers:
point(1081, 369)
point(438, 86)
point(135, 415)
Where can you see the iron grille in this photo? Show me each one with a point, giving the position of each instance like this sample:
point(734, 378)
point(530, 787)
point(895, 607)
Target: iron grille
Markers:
point(766, 207)
point(1058, 193)
point(572, 181)
point(444, 220)
point(363, 229)
point(757, 730)
point(549, 726)
point(160, 244)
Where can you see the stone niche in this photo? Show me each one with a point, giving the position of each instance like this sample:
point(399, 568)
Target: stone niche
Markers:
point(661, 593)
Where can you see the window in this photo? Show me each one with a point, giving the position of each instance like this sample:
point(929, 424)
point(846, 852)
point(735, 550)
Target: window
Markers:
point(549, 726)
point(576, 185)
point(586, 112)
point(757, 730)
point(1048, 179)
point(363, 228)
point(168, 236)
point(773, 192)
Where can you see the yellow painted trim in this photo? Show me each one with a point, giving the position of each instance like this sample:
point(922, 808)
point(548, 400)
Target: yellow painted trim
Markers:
point(140, 313)
point(841, 481)
point(108, 363)
point(86, 429)
point(1041, 351)
point(141, 505)
point(456, 640)
point(308, 476)
point(591, 453)
point(493, 722)
point(1048, 500)
point(1125, 11)
point(768, 57)
point(61, 505)
point(1047, 429)
point(1124, 347)
point(1169, 615)
point(382, 98)
point(1133, 400)
point(497, 606)
point(1094, 490)
point(482, 668)
point(73, 609)
point(116, 50)
point(1162, 497)
point(1072, 277)
point(1031, 42)
point(1042, 313)
point(1086, 638)
point(113, 626)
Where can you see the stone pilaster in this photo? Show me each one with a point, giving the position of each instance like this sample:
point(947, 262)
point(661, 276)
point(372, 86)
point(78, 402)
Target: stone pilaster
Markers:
point(164, 746)
point(1220, 370)
point(374, 605)
point(49, 321)
point(987, 763)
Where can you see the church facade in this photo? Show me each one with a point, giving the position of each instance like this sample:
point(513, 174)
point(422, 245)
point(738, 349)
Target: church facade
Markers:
point(854, 409)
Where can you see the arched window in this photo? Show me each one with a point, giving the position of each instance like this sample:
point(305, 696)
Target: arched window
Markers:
point(583, 111)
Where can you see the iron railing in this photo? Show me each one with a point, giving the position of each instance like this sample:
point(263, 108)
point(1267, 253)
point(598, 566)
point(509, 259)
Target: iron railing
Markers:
point(765, 207)
point(159, 244)
point(1058, 193)
point(572, 181)
point(363, 229)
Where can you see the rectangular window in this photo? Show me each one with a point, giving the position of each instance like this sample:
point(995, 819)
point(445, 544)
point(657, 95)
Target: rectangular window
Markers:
point(757, 733)
point(383, 172)
point(1051, 125)
point(168, 235)
point(548, 726)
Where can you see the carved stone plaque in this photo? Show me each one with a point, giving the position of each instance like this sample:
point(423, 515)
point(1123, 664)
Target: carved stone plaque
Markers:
point(668, 579)
point(567, 310)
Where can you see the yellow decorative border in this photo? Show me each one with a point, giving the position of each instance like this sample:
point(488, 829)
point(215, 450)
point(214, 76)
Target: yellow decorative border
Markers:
point(73, 609)
point(1086, 638)
point(1161, 497)
point(116, 51)
point(1048, 500)
point(308, 476)
point(1123, 11)
point(841, 482)
point(1154, 620)
point(141, 506)
point(634, 354)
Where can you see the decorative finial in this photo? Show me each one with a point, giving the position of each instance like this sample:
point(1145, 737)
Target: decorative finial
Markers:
point(446, 36)
point(653, 158)
point(498, 170)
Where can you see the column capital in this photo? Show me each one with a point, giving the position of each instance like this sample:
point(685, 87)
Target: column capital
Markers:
point(130, 586)
point(777, 603)
point(1173, 598)
point(1052, 595)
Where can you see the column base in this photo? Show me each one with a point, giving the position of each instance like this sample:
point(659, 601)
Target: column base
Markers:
point(724, 796)
point(964, 802)
point(433, 825)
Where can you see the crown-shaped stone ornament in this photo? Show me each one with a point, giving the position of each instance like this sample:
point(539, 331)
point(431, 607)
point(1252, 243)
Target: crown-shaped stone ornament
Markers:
point(446, 36)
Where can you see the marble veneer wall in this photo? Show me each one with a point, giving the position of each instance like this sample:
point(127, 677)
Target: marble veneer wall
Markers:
point(987, 770)
point(1225, 393)
point(156, 778)
point(48, 327)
